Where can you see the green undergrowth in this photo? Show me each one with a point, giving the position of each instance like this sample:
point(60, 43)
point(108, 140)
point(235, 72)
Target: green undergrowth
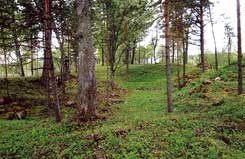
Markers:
point(208, 121)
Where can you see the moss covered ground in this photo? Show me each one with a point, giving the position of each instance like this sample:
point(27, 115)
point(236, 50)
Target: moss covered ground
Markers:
point(208, 119)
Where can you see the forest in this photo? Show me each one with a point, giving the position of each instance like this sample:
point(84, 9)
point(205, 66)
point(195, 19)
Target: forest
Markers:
point(121, 79)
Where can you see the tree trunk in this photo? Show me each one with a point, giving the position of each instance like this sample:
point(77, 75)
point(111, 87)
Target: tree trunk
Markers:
point(173, 50)
point(229, 51)
point(45, 74)
point(103, 55)
point(31, 56)
point(202, 36)
point(167, 47)
point(133, 53)
point(18, 54)
point(139, 55)
point(239, 43)
point(86, 73)
point(186, 46)
point(215, 45)
point(5, 64)
point(127, 52)
point(178, 49)
point(50, 66)
point(63, 70)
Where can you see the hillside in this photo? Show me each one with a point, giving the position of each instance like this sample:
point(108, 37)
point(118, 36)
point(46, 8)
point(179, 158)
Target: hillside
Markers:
point(208, 119)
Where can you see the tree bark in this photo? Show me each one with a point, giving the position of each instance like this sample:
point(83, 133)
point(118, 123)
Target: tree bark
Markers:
point(239, 43)
point(51, 82)
point(31, 56)
point(133, 53)
point(63, 70)
point(18, 54)
point(215, 45)
point(86, 73)
point(168, 67)
point(177, 48)
point(173, 50)
point(229, 51)
point(202, 35)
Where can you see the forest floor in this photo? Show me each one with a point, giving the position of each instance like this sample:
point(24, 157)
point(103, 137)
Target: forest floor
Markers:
point(208, 119)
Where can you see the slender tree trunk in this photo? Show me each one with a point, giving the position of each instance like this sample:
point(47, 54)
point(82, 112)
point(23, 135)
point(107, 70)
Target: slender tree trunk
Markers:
point(31, 56)
point(173, 50)
point(239, 43)
point(50, 65)
point(167, 47)
point(139, 55)
point(202, 36)
point(86, 73)
point(186, 46)
point(5, 64)
point(127, 52)
point(133, 53)
point(63, 70)
point(185, 50)
point(229, 51)
point(103, 56)
point(178, 49)
point(18, 54)
point(215, 45)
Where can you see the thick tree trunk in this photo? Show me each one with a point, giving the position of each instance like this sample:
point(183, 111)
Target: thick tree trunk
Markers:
point(86, 73)
point(51, 82)
point(202, 35)
point(239, 43)
point(167, 47)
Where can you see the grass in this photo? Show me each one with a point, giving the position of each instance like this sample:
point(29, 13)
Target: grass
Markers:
point(209, 123)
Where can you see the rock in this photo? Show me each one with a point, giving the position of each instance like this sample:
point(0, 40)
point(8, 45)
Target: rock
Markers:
point(217, 79)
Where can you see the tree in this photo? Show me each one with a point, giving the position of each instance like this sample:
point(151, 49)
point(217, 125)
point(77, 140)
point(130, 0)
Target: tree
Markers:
point(51, 82)
point(239, 46)
point(215, 45)
point(167, 52)
point(154, 41)
point(86, 68)
point(115, 13)
point(229, 34)
point(198, 11)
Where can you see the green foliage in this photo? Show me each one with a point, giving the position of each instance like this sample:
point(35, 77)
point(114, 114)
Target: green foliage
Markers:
point(140, 127)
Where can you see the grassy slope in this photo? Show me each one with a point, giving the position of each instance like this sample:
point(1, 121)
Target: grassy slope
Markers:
point(207, 124)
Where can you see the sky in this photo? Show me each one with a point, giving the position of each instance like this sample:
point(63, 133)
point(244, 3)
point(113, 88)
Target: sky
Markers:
point(223, 11)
